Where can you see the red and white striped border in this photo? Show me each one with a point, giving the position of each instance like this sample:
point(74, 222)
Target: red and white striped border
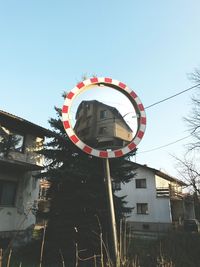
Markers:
point(82, 86)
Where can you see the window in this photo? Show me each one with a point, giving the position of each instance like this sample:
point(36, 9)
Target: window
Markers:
point(17, 142)
point(142, 208)
point(140, 183)
point(7, 193)
point(102, 130)
point(103, 114)
point(13, 141)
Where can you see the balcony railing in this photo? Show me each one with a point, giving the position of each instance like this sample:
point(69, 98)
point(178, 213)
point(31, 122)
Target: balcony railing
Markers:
point(162, 192)
point(169, 192)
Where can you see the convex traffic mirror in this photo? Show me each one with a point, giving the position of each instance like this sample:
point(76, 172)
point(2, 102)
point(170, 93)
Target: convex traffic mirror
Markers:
point(104, 117)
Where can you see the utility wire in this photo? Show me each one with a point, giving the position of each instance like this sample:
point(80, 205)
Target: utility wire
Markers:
point(165, 99)
point(169, 144)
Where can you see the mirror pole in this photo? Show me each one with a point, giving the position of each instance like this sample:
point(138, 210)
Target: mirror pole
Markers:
point(108, 183)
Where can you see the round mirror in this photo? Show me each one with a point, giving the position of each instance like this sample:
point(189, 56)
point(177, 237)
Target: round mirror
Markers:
point(104, 117)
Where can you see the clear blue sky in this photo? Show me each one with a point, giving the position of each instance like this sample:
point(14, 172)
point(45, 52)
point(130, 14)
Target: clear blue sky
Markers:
point(47, 46)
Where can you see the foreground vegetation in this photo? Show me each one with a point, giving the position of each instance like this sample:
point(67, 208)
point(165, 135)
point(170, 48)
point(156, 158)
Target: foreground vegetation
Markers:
point(178, 249)
point(175, 250)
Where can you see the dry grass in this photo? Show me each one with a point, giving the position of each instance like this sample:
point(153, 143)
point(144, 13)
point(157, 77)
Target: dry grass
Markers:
point(175, 250)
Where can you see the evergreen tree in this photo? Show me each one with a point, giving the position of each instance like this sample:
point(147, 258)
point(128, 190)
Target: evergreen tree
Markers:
point(79, 212)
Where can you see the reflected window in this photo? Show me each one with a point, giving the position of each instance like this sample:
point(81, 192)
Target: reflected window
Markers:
point(7, 193)
point(103, 114)
point(11, 141)
point(102, 130)
point(17, 142)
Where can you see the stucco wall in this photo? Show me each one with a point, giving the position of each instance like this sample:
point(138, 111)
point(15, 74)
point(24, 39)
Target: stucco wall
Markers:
point(161, 182)
point(121, 131)
point(158, 208)
point(19, 217)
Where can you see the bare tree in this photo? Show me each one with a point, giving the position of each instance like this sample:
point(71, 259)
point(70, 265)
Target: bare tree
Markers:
point(188, 167)
point(189, 171)
point(193, 119)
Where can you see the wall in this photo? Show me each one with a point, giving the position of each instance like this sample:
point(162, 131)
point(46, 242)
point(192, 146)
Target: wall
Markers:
point(122, 132)
point(161, 182)
point(89, 123)
point(108, 122)
point(159, 210)
point(19, 217)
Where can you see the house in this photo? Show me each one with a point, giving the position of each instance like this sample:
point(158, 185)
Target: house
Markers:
point(157, 199)
point(101, 126)
point(19, 163)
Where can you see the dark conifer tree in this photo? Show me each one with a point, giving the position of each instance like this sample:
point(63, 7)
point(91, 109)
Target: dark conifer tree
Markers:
point(79, 210)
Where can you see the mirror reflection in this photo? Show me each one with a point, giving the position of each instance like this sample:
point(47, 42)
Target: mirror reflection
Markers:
point(104, 118)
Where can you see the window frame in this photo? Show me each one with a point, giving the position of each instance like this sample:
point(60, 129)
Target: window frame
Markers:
point(142, 208)
point(22, 147)
point(102, 130)
point(12, 201)
point(103, 114)
point(139, 183)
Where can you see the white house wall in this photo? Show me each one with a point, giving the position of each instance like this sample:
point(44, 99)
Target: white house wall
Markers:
point(19, 217)
point(159, 210)
point(161, 182)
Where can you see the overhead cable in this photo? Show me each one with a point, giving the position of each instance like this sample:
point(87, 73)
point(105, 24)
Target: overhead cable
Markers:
point(169, 144)
point(168, 98)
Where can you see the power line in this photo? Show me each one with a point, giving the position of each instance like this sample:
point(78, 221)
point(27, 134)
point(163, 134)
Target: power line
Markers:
point(169, 144)
point(165, 99)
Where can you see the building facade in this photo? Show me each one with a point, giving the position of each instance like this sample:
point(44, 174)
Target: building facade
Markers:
point(19, 163)
point(101, 126)
point(157, 200)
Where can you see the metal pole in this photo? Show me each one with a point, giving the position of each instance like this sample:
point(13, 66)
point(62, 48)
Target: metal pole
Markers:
point(43, 240)
point(111, 211)
point(1, 257)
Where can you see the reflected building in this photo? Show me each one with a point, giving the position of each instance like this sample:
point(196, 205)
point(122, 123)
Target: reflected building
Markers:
point(101, 126)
